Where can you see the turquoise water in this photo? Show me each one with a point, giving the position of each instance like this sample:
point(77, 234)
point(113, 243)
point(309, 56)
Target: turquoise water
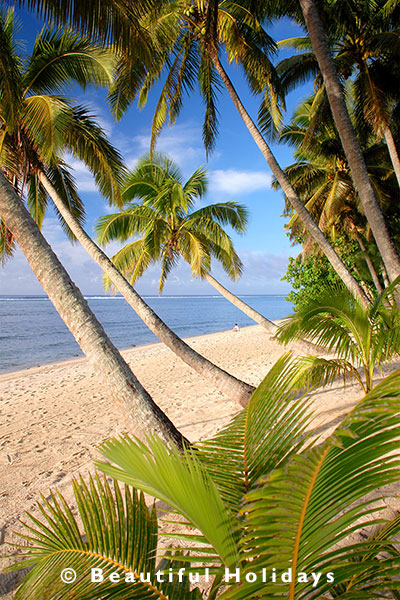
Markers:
point(32, 333)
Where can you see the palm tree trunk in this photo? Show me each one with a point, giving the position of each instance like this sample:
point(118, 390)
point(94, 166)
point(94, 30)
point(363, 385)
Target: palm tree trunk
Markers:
point(291, 195)
point(349, 140)
point(370, 264)
point(231, 386)
point(363, 284)
point(127, 392)
point(394, 155)
point(384, 128)
point(385, 276)
point(245, 308)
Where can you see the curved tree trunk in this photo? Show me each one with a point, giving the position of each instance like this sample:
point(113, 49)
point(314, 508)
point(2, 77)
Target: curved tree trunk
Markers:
point(394, 155)
point(291, 195)
point(127, 392)
point(231, 386)
point(245, 308)
point(349, 140)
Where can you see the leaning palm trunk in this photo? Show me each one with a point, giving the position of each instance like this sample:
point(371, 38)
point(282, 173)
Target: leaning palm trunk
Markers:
point(384, 276)
point(349, 141)
point(394, 155)
point(231, 386)
point(250, 312)
point(128, 393)
point(291, 195)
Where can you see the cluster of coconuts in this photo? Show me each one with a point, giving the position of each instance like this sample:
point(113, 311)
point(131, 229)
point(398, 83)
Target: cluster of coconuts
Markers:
point(192, 10)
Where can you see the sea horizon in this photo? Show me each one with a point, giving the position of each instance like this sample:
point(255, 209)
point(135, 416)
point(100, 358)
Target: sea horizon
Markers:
point(32, 333)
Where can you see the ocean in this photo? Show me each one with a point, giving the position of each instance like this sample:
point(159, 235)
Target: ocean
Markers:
point(32, 333)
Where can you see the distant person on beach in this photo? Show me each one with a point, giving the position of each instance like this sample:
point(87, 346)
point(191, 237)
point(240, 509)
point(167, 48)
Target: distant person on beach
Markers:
point(236, 327)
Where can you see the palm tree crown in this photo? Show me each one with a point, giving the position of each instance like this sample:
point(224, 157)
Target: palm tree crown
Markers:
point(159, 207)
point(360, 338)
point(321, 175)
point(38, 124)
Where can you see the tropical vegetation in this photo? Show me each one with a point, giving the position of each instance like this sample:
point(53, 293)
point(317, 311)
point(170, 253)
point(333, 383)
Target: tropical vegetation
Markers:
point(36, 128)
point(159, 208)
point(262, 494)
point(360, 339)
point(39, 126)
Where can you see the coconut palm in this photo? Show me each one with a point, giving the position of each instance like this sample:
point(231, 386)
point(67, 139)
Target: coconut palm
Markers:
point(31, 125)
point(321, 178)
point(258, 495)
point(364, 41)
point(158, 206)
point(202, 31)
point(129, 395)
point(185, 39)
point(361, 339)
point(349, 140)
point(33, 139)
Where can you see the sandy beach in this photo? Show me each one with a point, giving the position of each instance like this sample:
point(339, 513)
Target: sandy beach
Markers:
point(53, 417)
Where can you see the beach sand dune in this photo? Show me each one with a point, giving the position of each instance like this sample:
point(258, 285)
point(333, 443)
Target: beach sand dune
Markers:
point(53, 417)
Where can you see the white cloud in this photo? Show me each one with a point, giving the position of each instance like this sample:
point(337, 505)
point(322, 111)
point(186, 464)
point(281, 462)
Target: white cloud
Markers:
point(261, 275)
point(180, 142)
point(232, 181)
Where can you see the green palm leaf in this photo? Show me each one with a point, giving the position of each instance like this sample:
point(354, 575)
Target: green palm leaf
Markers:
point(117, 535)
point(261, 438)
point(319, 495)
point(132, 260)
point(180, 481)
point(60, 55)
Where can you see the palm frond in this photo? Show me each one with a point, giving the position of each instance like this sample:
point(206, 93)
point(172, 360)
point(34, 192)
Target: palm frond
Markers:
point(123, 225)
point(36, 199)
point(11, 89)
point(315, 371)
point(209, 89)
point(261, 438)
point(85, 139)
point(65, 185)
point(7, 244)
point(179, 480)
point(320, 496)
point(46, 119)
point(118, 534)
point(132, 261)
point(60, 56)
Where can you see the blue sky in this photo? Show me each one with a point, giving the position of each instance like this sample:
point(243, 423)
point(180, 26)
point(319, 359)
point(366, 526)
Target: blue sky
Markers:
point(237, 171)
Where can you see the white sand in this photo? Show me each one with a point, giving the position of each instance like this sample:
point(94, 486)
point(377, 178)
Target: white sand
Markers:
point(52, 417)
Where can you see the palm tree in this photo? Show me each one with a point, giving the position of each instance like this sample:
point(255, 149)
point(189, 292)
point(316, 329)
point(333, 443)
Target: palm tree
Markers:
point(204, 28)
point(257, 496)
point(349, 140)
point(128, 394)
point(23, 127)
point(365, 45)
point(321, 178)
point(360, 338)
point(45, 125)
point(186, 39)
point(158, 206)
